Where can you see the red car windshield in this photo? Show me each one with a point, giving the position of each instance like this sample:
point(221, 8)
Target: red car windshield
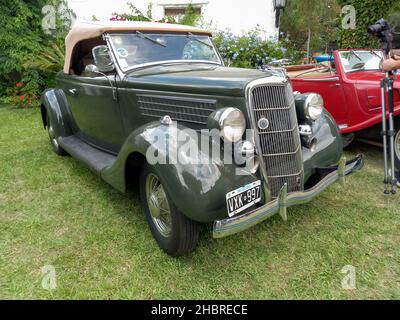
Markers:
point(361, 60)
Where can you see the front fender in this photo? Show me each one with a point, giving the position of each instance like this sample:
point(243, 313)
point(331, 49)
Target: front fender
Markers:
point(329, 148)
point(197, 188)
point(55, 106)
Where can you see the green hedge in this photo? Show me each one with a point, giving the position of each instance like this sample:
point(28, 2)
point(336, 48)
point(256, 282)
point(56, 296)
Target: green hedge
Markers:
point(367, 13)
point(23, 45)
point(251, 50)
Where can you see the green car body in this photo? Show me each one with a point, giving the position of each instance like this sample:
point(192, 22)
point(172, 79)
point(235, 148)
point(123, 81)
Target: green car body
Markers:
point(118, 116)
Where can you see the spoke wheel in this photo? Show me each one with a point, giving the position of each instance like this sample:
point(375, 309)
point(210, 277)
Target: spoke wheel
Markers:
point(158, 205)
point(174, 232)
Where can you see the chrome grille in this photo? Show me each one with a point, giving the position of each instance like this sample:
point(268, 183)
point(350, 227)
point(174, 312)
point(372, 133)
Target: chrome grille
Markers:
point(280, 143)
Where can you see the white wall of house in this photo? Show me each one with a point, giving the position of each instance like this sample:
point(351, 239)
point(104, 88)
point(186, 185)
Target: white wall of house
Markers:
point(239, 16)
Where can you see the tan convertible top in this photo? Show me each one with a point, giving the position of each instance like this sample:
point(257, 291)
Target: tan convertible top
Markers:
point(84, 31)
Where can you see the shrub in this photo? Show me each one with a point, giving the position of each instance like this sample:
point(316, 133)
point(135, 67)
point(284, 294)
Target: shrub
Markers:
point(23, 45)
point(251, 50)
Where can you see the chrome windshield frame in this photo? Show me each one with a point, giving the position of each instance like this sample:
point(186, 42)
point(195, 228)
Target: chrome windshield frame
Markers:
point(123, 72)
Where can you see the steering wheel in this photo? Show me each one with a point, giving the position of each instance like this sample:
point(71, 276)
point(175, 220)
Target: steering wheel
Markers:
point(359, 65)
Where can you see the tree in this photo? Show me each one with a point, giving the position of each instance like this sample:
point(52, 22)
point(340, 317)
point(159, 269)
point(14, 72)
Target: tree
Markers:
point(311, 25)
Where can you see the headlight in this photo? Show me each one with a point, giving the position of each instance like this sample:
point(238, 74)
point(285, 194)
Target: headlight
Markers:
point(232, 124)
point(314, 106)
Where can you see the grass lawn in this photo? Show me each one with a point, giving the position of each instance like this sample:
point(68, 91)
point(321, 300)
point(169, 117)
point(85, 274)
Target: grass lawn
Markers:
point(54, 211)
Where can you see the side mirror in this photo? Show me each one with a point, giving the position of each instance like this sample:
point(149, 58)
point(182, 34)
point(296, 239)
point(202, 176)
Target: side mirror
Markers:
point(103, 59)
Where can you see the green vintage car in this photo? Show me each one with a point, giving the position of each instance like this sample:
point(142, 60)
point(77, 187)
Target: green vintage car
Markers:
point(142, 104)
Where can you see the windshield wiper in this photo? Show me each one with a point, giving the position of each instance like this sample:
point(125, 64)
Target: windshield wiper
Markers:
point(374, 53)
point(193, 37)
point(356, 55)
point(142, 35)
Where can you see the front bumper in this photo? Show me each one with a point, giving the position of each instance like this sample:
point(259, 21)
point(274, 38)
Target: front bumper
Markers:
point(227, 227)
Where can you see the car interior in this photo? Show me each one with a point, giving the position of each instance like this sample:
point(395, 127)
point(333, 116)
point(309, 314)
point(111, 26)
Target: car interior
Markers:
point(82, 55)
point(315, 71)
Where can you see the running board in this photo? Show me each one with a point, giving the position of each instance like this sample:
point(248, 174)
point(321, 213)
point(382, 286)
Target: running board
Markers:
point(95, 159)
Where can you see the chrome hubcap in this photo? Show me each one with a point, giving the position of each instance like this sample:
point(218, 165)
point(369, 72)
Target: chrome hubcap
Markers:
point(158, 205)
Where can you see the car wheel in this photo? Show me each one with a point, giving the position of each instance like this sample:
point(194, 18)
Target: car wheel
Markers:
point(397, 155)
point(397, 148)
point(175, 233)
point(54, 140)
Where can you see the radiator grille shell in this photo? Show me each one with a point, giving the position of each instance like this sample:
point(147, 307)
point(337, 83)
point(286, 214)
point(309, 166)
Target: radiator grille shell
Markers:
point(279, 145)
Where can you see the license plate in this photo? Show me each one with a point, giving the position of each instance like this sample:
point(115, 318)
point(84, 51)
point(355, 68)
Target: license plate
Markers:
point(243, 198)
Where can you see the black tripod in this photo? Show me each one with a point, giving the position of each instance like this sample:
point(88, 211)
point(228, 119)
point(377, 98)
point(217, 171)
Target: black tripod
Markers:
point(388, 134)
point(384, 32)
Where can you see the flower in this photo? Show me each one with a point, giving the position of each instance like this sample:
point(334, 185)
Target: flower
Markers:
point(22, 98)
point(19, 84)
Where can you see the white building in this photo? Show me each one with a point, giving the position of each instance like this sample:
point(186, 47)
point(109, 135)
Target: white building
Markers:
point(238, 16)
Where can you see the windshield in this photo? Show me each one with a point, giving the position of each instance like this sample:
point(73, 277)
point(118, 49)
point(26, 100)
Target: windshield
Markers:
point(133, 50)
point(361, 60)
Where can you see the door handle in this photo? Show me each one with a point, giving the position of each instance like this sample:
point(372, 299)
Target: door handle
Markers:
point(73, 91)
point(336, 85)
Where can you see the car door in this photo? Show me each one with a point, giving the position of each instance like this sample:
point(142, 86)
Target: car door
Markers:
point(330, 87)
point(95, 110)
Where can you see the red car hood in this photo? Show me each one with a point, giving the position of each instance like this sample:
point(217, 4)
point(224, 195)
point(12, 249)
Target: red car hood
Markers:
point(371, 77)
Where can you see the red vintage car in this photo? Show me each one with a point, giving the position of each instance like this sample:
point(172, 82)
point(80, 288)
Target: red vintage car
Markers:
point(350, 87)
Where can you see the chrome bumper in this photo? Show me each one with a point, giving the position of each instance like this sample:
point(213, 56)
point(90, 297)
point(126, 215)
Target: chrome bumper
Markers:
point(227, 227)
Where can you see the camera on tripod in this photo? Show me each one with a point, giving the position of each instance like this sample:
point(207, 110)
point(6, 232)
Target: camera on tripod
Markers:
point(379, 28)
point(384, 32)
